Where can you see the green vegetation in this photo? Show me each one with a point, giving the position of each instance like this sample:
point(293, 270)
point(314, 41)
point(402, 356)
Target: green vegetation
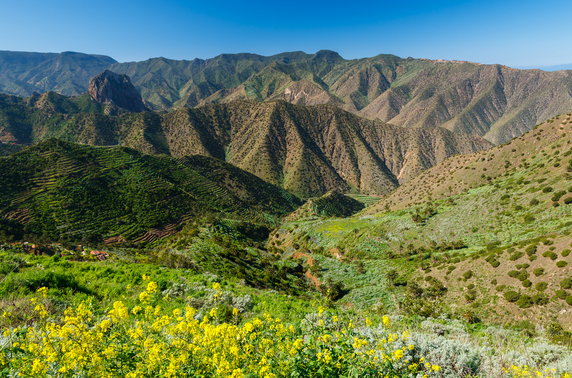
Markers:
point(57, 191)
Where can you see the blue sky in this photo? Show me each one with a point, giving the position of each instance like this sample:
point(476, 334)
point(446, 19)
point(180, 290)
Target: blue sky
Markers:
point(517, 33)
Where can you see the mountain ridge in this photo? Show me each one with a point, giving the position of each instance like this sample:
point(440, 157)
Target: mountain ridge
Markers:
point(493, 101)
point(305, 149)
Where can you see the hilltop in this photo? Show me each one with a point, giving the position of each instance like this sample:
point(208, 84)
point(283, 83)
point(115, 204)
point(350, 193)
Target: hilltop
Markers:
point(305, 149)
point(493, 101)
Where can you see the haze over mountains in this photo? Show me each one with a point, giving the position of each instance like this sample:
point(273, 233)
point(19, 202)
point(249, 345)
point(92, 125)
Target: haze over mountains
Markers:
point(492, 101)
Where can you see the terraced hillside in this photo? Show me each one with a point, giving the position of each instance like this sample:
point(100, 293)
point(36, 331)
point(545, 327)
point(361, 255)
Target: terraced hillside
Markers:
point(305, 149)
point(485, 236)
point(492, 101)
point(67, 192)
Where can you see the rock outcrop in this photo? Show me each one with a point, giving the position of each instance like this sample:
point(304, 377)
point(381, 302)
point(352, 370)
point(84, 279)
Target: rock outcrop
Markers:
point(112, 88)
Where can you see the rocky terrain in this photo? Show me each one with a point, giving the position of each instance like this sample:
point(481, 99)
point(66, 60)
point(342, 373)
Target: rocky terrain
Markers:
point(306, 149)
point(493, 101)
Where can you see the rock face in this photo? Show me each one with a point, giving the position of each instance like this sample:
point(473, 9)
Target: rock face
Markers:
point(111, 88)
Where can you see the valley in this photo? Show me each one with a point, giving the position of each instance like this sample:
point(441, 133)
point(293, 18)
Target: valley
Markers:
point(287, 215)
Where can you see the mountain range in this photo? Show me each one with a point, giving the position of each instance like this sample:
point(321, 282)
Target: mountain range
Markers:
point(493, 101)
point(305, 149)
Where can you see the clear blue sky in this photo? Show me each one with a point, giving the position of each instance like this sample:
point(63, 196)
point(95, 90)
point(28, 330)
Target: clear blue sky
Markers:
point(516, 33)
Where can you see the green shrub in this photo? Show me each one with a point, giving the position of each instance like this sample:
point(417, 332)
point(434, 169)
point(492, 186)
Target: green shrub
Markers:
point(524, 301)
point(468, 274)
point(541, 286)
point(568, 200)
point(551, 255)
point(540, 299)
point(566, 283)
point(531, 250)
point(569, 300)
point(518, 274)
point(560, 294)
point(538, 272)
point(511, 296)
point(547, 189)
point(565, 252)
point(515, 256)
point(526, 283)
point(534, 202)
point(561, 263)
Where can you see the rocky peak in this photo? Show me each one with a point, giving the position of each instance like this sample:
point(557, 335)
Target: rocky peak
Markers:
point(112, 88)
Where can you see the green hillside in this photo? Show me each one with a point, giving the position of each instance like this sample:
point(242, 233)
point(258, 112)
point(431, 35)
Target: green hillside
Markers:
point(331, 204)
point(486, 235)
point(67, 192)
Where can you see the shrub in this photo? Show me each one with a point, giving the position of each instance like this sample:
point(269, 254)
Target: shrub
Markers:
point(541, 286)
point(468, 274)
point(518, 274)
point(526, 283)
point(566, 283)
point(528, 218)
point(560, 294)
point(551, 255)
point(534, 202)
point(538, 272)
point(565, 252)
point(569, 300)
point(547, 189)
point(540, 299)
point(525, 301)
point(531, 250)
point(515, 256)
point(568, 200)
point(511, 296)
point(561, 263)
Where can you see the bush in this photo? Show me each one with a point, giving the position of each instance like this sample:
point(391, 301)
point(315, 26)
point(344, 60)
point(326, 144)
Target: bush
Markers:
point(511, 296)
point(526, 283)
point(568, 200)
point(518, 274)
point(468, 274)
point(538, 272)
point(540, 299)
point(541, 286)
point(534, 202)
point(560, 294)
point(566, 283)
point(551, 255)
point(565, 252)
point(525, 301)
point(515, 256)
point(561, 263)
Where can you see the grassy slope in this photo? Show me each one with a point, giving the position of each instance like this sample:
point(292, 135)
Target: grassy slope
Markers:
point(61, 191)
point(485, 208)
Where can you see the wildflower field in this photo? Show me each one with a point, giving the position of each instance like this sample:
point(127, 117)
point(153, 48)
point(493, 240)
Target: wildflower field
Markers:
point(157, 337)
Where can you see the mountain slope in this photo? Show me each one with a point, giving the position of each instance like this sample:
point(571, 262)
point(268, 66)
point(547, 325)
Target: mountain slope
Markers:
point(63, 191)
point(483, 236)
point(306, 149)
point(68, 73)
point(492, 101)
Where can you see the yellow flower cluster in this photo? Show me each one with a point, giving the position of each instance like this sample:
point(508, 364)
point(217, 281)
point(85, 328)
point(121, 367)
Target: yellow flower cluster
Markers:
point(527, 371)
point(147, 340)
